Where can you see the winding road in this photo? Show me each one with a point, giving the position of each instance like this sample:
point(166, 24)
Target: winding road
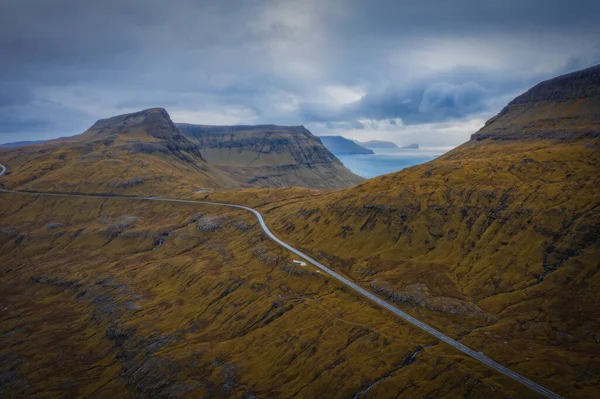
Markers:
point(442, 337)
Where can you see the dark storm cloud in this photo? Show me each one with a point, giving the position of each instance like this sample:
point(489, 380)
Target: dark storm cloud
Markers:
point(65, 63)
point(431, 103)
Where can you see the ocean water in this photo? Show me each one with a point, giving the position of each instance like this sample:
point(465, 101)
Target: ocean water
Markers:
point(387, 161)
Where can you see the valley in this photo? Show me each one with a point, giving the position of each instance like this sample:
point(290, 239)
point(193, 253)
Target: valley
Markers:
point(122, 277)
point(365, 293)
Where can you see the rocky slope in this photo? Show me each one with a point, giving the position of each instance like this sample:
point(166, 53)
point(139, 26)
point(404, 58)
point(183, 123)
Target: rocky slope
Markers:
point(341, 145)
point(141, 153)
point(271, 156)
point(495, 243)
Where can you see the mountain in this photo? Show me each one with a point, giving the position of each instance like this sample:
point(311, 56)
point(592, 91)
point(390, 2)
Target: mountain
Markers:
point(142, 152)
point(374, 144)
point(270, 156)
point(411, 146)
point(21, 143)
point(341, 145)
point(564, 108)
point(146, 153)
point(495, 243)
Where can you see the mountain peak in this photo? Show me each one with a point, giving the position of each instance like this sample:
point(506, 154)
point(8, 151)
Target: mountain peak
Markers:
point(571, 86)
point(562, 108)
point(155, 121)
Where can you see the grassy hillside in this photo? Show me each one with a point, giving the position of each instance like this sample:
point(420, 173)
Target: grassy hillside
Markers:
point(120, 298)
point(496, 243)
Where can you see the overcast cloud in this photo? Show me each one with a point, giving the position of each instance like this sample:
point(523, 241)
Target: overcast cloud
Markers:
point(429, 71)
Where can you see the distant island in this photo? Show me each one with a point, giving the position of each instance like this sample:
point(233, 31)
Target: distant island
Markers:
point(341, 145)
point(379, 144)
point(375, 144)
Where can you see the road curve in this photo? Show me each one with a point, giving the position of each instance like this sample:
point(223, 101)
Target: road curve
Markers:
point(442, 337)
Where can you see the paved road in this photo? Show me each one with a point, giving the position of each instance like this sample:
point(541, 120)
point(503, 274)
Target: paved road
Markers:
point(442, 337)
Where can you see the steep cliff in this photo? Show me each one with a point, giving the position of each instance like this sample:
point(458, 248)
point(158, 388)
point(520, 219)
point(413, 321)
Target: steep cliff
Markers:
point(270, 156)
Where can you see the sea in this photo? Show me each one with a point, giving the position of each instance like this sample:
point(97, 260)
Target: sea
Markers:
point(386, 161)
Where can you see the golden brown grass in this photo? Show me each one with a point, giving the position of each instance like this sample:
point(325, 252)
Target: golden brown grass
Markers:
point(499, 241)
point(92, 305)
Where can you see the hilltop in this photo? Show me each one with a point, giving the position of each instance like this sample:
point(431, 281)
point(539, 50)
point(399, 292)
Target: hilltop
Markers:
point(563, 108)
point(270, 156)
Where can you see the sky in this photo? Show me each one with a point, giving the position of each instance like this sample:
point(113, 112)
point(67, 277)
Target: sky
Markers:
point(427, 72)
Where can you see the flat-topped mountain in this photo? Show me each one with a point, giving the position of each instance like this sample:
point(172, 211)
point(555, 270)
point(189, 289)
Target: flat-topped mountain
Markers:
point(566, 108)
point(270, 156)
point(377, 144)
point(341, 145)
point(141, 152)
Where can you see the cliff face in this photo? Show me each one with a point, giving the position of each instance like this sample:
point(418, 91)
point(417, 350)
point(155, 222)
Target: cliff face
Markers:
point(341, 145)
point(270, 156)
point(496, 242)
